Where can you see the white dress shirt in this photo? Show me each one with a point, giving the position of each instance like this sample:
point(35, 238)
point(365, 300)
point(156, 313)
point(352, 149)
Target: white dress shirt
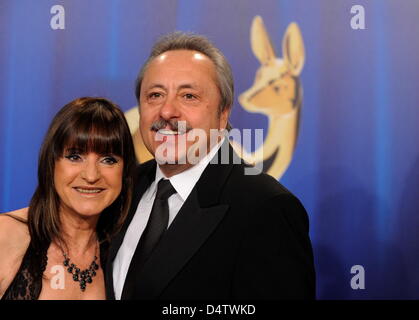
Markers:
point(183, 183)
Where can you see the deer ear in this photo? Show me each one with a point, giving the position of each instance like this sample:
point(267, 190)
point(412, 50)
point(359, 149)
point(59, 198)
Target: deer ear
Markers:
point(293, 49)
point(261, 44)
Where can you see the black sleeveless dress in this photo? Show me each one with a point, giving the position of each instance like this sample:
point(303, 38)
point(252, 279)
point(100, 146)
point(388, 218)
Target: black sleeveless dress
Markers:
point(27, 285)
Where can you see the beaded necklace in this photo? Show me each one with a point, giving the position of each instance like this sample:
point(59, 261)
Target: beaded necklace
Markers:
point(83, 277)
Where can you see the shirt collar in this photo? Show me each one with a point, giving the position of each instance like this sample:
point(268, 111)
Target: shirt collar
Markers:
point(185, 181)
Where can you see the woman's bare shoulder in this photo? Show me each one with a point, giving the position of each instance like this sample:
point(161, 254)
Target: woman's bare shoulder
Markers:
point(13, 227)
point(19, 214)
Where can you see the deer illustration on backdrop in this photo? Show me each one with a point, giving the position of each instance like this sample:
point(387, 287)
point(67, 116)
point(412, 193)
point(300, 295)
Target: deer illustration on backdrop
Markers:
point(276, 93)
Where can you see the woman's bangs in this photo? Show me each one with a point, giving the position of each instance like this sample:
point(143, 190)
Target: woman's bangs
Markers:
point(84, 137)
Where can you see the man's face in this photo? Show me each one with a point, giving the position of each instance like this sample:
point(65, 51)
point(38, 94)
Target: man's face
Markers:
point(179, 85)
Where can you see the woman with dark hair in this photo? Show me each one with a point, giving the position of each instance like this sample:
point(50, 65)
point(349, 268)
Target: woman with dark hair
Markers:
point(56, 247)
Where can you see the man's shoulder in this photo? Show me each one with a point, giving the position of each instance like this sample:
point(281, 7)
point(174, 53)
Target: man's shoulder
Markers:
point(260, 184)
point(264, 196)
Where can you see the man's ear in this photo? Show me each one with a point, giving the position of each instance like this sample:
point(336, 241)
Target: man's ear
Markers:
point(224, 116)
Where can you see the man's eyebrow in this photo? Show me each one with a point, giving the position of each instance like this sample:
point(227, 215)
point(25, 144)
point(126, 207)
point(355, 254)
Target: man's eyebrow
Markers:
point(188, 86)
point(180, 87)
point(156, 85)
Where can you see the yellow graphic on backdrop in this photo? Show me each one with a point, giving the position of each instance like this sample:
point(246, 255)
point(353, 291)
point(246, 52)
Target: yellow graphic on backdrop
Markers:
point(276, 93)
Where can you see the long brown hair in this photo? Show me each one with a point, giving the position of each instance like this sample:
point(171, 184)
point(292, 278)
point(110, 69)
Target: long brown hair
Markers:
point(89, 125)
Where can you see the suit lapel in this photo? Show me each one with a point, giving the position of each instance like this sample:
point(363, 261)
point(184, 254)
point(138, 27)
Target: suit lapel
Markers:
point(197, 219)
point(191, 227)
point(143, 178)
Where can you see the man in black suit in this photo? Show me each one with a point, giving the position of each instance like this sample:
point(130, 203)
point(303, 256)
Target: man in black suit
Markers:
point(201, 227)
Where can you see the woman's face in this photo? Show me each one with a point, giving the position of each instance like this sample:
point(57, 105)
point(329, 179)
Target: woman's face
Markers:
point(87, 183)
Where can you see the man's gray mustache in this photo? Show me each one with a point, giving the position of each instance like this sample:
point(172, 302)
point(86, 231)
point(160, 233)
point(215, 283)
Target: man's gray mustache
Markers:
point(181, 126)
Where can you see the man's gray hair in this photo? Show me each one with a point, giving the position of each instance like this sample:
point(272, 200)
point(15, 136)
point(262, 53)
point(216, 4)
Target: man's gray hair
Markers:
point(194, 42)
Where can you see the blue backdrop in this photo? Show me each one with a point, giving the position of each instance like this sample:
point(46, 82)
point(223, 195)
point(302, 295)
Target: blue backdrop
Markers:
point(356, 164)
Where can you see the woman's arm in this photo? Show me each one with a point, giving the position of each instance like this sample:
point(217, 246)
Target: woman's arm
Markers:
point(14, 240)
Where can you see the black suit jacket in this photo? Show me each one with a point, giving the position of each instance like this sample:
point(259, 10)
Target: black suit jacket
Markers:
point(237, 236)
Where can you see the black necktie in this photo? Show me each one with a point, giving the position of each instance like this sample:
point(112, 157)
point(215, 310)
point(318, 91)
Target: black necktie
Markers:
point(157, 223)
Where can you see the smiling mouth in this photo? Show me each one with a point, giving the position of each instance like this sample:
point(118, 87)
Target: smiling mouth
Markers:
point(168, 132)
point(171, 128)
point(88, 190)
